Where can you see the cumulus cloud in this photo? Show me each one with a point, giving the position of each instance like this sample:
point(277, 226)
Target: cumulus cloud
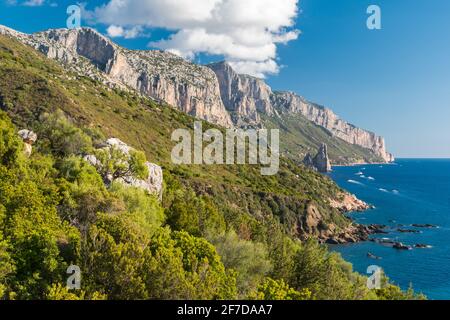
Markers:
point(120, 32)
point(246, 32)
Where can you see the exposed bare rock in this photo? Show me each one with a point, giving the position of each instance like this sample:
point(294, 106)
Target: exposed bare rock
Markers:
point(154, 182)
point(354, 233)
point(214, 93)
point(308, 161)
point(349, 203)
point(160, 75)
point(29, 138)
point(321, 160)
point(244, 96)
point(288, 102)
point(313, 225)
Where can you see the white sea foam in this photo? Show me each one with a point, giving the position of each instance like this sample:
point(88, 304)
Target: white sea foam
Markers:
point(355, 182)
point(395, 191)
point(371, 178)
point(359, 173)
point(383, 190)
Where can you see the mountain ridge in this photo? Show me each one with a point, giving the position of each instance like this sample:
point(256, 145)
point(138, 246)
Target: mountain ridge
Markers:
point(215, 92)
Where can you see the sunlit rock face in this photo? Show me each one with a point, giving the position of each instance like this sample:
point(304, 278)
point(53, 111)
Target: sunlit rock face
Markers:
point(160, 75)
point(215, 93)
point(288, 102)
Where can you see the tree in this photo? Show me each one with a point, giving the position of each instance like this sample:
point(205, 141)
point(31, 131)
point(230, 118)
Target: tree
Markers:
point(327, 275)
point(113, 164)
point(248, 259)
point(271, 289)
point(58, 135)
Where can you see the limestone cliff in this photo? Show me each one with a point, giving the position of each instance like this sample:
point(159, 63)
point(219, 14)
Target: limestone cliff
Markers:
point(244, 96)
point(215, 93)
point(288, 102)
point(193, 89)
point(321, 162)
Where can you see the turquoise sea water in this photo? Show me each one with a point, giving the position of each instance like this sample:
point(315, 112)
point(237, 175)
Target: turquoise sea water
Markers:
point(411, 191)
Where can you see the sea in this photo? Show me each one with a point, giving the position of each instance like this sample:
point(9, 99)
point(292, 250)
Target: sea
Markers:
point(407, 192)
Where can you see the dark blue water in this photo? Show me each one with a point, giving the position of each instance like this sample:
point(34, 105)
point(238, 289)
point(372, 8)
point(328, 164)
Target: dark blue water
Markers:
point(411, 191)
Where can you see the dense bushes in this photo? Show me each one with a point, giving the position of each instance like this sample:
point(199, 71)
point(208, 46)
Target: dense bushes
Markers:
point(55, 209)
point(58, 212)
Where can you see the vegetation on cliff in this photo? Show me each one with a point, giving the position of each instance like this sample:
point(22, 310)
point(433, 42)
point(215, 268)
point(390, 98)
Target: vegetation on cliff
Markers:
point(221, 232)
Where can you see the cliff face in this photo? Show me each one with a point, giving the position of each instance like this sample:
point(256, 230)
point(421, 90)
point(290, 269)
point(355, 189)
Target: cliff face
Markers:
point(244, 96)
point(160, 75)
point(214, 93)
point(287, 102)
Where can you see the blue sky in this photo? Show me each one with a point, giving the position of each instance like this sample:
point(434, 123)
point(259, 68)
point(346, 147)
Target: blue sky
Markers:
point(394, 81)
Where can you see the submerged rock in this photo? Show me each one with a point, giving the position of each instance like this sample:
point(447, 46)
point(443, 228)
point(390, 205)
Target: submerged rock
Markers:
point(408, 231)
point(401, 246)
point(422, 246)
point(372, 256)
point(429, 226)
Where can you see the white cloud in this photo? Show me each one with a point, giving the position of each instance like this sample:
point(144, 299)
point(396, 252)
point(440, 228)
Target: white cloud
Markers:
point(28, 3)
point(114, 31)
point(118, 31)
point(31, 3)
point(246, 32)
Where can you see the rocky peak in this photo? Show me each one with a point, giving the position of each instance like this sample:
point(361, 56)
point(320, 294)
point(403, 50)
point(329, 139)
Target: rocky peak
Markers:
point(156, 74)
point(215, 93)
point(244, 96)
point(308, 161)
point(321, 162)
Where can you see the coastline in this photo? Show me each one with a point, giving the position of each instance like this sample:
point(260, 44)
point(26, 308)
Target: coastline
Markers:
point(362, 164)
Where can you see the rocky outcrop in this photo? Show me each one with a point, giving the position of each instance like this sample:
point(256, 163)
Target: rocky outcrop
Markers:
point(244, 96)
point(313, 225)
point(321, 162)
point(163, 76)
point(288, 102)
point(355, 233)
point(29, 138)
point(349, 203)
point(154, 182)
point(309, 161)
point(214, 93)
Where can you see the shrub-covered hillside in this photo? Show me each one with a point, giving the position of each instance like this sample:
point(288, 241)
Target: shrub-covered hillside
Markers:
point(221, 232)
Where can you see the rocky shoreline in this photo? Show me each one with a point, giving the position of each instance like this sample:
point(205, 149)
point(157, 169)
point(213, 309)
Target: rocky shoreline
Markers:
point(349, 203)
point(362, 164)
point(359, 233)
point(346, 203)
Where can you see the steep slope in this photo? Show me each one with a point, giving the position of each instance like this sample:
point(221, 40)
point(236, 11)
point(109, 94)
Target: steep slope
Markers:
point(300, 136)
point(289, 103)
point(251, 100)
point(31, 85)
point(244, 96)
point(163, 76)
point(214, 93)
